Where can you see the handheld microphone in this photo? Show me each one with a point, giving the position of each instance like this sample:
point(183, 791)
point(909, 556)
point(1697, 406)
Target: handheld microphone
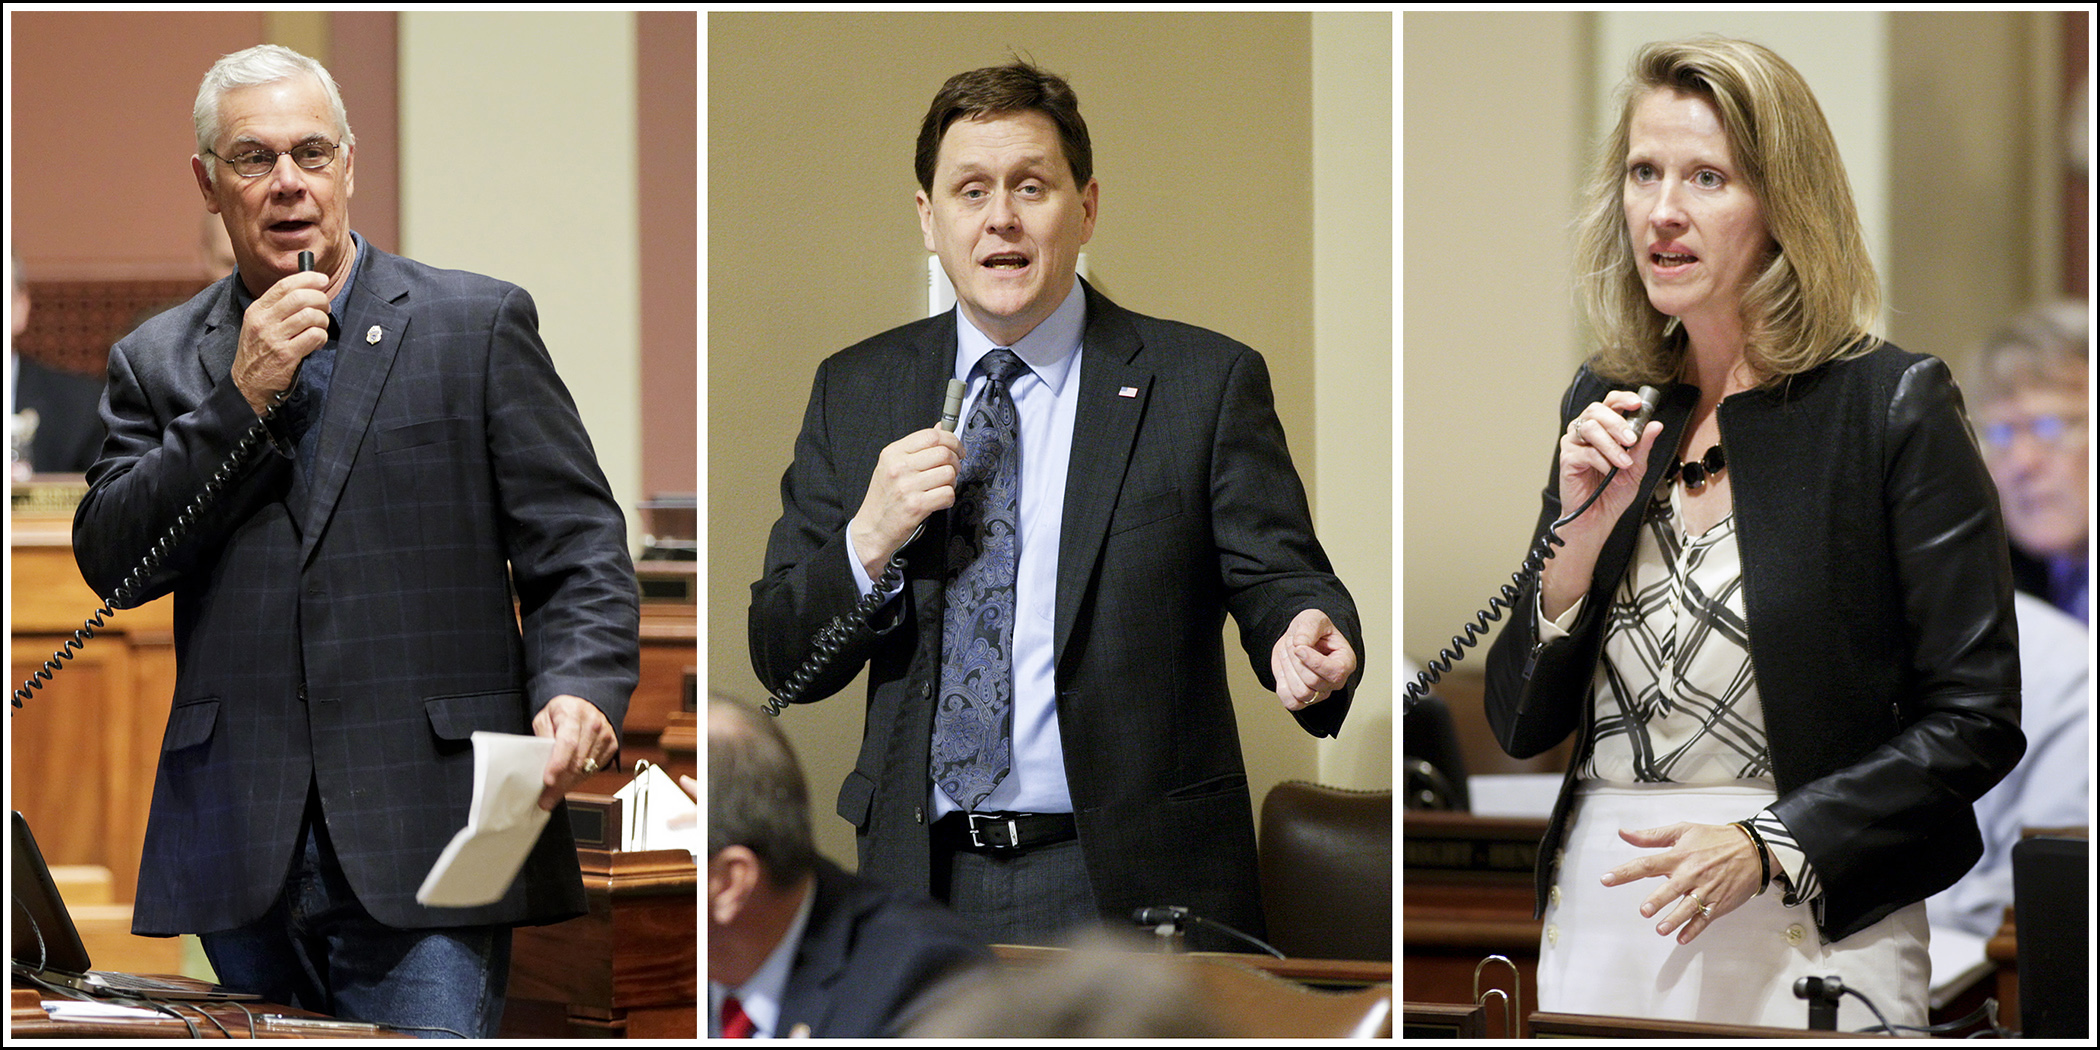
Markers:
point(1649, 396)
point(951, 405)
point(306, 262)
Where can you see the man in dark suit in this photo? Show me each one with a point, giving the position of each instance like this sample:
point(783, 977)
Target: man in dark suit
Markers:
point(795, 945)
point(1049, 735)
point(344, 609)
point(65, 434)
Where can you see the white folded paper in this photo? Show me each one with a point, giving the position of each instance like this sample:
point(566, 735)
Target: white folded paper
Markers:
point(653, 804)
point(502, 824)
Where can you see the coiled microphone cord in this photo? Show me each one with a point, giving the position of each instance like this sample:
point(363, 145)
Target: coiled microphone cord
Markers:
point(834, 636)
point(125, 595)
point(1526, 574)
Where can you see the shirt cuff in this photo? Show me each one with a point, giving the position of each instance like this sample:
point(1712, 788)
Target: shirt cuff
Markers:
point(1555, 630)
point(861, 583)
point(1790, 867)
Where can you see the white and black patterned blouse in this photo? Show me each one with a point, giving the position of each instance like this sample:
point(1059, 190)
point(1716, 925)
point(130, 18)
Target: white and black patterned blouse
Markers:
point(1674, 700)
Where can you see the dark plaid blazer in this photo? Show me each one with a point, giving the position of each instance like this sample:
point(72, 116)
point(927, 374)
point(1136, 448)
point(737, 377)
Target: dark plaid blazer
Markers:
point(1181, 504)
point(351, 629)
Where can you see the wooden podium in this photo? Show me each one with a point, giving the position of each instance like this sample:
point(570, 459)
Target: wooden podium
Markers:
point(628, 969)
point(84, 748)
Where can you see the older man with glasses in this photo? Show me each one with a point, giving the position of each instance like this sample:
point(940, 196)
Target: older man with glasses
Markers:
point(346, 465)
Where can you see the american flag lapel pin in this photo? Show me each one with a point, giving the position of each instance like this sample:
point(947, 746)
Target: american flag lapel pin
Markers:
point(1128, 391)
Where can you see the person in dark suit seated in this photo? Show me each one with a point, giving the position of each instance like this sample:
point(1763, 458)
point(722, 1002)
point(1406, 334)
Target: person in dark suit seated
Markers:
point(54, 416)
point(795, 944)
point(348, 604)
point(1049, 737)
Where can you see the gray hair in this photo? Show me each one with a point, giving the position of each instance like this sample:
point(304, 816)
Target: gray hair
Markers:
point(756, 796)
point(2044, 347)
point(261, 64)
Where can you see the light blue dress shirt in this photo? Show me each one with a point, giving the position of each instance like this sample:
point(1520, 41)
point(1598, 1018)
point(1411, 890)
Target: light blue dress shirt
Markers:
point(1046, 396)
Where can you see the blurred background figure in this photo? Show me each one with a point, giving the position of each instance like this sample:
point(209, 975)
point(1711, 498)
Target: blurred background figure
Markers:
point(1111, 985)
point(2028, 399)
point(1105, 987)
point(797, 946)
point(2027, 394)
point(53, 423)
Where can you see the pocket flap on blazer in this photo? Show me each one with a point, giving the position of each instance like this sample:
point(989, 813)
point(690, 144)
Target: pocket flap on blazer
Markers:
point(1144, 510)
point(428, 432)
point(190, 724)
point(1223, 784)
point(457, 717)
point(856, 797)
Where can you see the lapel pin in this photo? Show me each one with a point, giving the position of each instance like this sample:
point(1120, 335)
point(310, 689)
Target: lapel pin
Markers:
point(372, 336)
point(1128, 391)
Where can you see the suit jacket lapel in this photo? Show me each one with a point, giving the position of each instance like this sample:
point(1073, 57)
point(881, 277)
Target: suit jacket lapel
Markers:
point(379, 302)
point(918, 402)
point(222, 335)
point(1103, 433)
point(924, 382)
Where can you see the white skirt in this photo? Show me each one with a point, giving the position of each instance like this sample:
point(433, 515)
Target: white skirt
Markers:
point(1598, 955)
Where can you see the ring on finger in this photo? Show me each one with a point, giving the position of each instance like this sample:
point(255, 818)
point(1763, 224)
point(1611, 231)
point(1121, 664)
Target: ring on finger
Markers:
point(590, 765)
point(1700, 905)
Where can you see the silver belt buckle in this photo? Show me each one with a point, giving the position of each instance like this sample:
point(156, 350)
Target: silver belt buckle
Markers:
point(1013, 831)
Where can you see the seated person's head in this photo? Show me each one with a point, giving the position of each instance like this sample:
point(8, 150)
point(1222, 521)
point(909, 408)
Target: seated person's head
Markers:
point(2027, 396)
point(759, 849)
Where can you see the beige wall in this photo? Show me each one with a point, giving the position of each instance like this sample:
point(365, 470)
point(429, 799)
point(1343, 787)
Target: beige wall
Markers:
point(1203, 141)
point(1353, 394)
point(1491, 165)
point(553, 95)
point(1938, 118)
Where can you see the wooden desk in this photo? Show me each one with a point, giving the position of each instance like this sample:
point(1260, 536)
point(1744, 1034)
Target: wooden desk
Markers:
point(27, 1020)
point(1319, 973)
point(670, 660)
point(1598, 1026)
point(630, 968)
point(85, 747)
point(1468, 895)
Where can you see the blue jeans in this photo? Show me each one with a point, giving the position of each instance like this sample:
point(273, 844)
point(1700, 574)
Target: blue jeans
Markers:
point(318, 949)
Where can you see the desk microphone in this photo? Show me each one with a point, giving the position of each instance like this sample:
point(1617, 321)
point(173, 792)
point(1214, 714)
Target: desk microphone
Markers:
point(1170, 918)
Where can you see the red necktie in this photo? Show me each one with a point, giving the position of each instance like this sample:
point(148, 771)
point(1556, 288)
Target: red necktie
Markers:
point(736, 1024)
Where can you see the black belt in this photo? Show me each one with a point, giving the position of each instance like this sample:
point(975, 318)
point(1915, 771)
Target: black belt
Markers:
point(1002, 832)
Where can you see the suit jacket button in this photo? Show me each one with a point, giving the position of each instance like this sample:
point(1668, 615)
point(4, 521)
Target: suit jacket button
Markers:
point(918, 813)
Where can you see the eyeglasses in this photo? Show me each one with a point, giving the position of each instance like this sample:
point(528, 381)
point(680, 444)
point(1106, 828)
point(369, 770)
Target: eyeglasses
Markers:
point(312, 156)
point(2048, 430)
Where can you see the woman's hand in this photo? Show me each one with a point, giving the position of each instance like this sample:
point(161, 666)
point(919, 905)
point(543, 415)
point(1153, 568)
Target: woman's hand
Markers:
point(1714, 865)
point(1596, 440)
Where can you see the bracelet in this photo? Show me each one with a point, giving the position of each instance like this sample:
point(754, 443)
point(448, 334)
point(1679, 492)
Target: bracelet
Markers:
point(1764, 859)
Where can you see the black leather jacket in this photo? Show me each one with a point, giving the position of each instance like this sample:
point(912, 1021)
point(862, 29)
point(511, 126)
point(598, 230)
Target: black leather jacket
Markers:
point(1881, 623)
